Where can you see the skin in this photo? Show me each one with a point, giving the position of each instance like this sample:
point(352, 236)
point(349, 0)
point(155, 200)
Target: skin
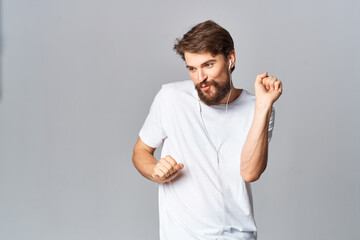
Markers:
point(255, 150)
point(204, 68)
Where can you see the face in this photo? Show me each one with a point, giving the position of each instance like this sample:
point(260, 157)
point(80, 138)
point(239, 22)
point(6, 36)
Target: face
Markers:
point(210, 76)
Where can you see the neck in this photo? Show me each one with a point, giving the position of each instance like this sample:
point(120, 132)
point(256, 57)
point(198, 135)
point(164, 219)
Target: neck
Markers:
point(235, 93)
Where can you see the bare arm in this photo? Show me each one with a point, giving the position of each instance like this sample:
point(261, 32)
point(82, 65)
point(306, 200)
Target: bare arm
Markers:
point(254, 154)
point(255, 150)
point(143, 159)
point(160, 172)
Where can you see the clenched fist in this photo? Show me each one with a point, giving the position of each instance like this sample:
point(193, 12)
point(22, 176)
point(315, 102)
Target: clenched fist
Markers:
point(166, 169)
point(267, 89)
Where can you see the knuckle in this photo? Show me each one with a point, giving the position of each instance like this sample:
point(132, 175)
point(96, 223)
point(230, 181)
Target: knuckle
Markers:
point(170, 159)
point(173, 162)
point(166, 169)
point(157, 171)
point(167, 165)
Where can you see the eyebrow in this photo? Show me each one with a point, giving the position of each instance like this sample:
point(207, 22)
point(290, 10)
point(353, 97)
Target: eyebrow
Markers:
point(208, 61)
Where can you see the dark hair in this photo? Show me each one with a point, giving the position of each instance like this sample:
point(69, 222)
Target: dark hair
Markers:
point(207, 36)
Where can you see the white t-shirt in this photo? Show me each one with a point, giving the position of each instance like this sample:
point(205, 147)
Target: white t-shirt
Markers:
point(208, 199)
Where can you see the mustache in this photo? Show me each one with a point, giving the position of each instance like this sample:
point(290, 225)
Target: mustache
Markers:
point(205, 83)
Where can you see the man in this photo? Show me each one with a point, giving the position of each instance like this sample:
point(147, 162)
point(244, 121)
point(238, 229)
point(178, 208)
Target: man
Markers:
point(215, 142)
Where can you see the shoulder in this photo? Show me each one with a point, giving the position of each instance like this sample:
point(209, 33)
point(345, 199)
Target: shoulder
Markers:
point(178, 85)
point(178, 88)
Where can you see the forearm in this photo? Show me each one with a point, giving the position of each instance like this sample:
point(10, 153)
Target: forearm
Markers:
point(255, 150)
point(144, 162)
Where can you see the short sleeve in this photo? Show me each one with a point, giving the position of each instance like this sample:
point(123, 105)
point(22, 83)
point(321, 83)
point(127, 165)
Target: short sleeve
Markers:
point(271, 124)
point(152, 132)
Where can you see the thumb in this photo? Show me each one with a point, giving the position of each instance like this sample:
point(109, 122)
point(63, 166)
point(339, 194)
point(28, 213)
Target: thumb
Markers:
point(260, 77)
point(179, 166)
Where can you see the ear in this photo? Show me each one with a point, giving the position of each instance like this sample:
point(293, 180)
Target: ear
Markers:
point(232, 57)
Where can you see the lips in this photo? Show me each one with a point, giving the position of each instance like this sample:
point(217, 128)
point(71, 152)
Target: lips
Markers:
point(205, 87)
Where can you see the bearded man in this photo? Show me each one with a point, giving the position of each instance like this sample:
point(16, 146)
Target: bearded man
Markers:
point(214, 141)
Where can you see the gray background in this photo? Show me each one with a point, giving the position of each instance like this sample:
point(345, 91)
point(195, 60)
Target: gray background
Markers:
point(78, 78)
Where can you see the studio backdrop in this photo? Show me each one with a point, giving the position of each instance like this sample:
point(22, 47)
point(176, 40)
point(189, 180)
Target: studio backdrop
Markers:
point(77, 81)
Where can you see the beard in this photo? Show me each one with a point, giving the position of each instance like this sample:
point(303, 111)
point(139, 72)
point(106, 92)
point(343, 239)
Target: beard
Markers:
point(221, 90)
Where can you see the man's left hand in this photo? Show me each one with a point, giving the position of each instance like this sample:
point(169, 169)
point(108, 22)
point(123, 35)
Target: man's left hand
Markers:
point(267, 89)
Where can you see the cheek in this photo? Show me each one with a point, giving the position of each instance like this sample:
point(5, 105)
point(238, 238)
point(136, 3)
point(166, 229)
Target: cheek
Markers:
point(216, 74)
point(193, 77)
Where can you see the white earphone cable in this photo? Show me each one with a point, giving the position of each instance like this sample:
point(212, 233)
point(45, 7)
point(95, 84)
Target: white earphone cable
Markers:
point(206, 132)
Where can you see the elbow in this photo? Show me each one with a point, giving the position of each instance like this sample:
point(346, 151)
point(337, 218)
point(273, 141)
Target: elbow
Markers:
point(250, 177)
point(134, 157)
point(253, 172)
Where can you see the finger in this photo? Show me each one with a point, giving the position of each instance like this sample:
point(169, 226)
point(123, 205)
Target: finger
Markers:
point(281, 88)
point(267, 79)
point(169, 162)
point(167, 165)
point(259, 77)
point(264, 82)
point(164, 169)
point(156, 177)
point(269, 83)
point(170, 159)
point(277, 84)
point(159, 173)
point(172, 176)
point(179, 166)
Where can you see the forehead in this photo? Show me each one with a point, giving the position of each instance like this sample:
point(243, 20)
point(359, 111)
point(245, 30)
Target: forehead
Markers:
point(193, 59)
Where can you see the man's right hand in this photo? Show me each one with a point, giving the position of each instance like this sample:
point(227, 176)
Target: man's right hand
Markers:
point(166, 169)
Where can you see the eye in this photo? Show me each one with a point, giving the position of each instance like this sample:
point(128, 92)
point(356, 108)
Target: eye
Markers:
point(208, 65)
point(191, 69)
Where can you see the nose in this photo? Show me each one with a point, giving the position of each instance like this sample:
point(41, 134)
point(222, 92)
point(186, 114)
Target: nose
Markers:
point(201, 75)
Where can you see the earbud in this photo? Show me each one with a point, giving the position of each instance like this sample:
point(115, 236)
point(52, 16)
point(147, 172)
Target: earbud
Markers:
point(229, 64)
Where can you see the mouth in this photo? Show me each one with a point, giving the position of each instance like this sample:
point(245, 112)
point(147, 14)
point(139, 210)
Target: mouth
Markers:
point(205, 87)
